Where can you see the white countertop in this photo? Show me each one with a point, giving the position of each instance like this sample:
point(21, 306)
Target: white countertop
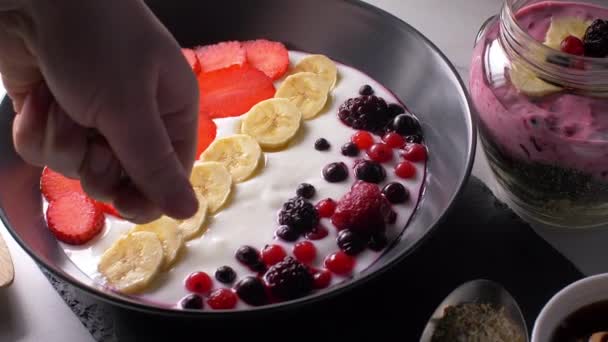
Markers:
point(33, 311)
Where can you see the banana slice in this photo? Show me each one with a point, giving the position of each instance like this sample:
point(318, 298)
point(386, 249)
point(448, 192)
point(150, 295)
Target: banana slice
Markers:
point(213, 181)
point(526, 82)
point(308, 91)
point(132, 262)
point(562, 27)
point(273, 123)
point(168, 234)
point(239, 153)
point(320, 65)
point(191, 227)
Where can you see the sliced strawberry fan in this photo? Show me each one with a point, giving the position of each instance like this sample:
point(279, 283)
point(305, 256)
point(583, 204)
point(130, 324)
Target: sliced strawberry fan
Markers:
point(272, 58)
point(221, 55)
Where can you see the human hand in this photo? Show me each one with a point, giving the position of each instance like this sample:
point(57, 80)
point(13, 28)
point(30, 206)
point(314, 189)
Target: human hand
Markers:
point(103, 93)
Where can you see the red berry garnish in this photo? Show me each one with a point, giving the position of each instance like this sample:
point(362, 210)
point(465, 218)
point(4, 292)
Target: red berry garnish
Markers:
point(573, 45)
point(322, 279)
point(414, 152)
point(199, 282)
point(305, 251)
point(405, 170)
point(363, 140)
point(222, 299)
point(272, 254)
point(380, 153)
point(326, 207)
point(340, 263)
point(394, 140)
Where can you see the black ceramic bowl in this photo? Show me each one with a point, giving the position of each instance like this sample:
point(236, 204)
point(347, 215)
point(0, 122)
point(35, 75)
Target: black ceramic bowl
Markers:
point(352, 32)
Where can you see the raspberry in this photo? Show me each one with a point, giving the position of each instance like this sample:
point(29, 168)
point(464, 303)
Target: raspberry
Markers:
point(363, 210)
point(289, 279)
point(326, 207)
point(596, 39)
point(273, 254)
point(222, 299)
point(340, 263)
point(305, 252)
point(299, 214)
point(369, 113)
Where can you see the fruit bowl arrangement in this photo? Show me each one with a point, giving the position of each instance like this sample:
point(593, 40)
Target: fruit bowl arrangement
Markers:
point(313, 176)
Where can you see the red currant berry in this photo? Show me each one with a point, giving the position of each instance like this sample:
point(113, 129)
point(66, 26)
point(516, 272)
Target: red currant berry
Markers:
point(380, 153)
point(363, 140)
point(273, 254)
point(573, 46)
point(199, 282)
point(405, 170)
point(305, 252)
point(222, 299)
point(340, 263)
point(394, 140)
point(322, 279)
point(414, 152)
point(326, 207)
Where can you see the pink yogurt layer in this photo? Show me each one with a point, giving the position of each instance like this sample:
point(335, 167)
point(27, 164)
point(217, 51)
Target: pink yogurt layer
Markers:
point(565, 130)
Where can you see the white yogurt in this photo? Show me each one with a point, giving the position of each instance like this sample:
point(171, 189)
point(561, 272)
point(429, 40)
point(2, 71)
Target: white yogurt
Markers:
point(251, 216)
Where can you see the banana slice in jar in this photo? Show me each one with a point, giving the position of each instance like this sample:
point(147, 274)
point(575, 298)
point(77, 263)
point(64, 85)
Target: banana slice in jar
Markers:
point(239, 153)
point(562, 27)
point(171, 239)
point(528, 83)
point(320, 65)
point(213, 181)
point(132, 262)
point(191, 227)
point(273, 123)
point(307, 91)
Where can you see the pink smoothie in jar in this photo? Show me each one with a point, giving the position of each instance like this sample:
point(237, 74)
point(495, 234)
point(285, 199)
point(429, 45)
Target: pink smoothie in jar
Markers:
point(547, 144)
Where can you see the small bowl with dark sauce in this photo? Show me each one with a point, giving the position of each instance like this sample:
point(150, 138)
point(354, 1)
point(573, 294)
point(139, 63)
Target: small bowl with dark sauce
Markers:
point(578, 313)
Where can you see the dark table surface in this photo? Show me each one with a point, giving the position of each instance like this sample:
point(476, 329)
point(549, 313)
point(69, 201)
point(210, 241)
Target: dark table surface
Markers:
point(481, 238)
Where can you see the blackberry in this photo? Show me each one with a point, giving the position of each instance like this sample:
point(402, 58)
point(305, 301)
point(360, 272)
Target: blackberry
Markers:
point(322, 144)
point(350, 242)
point(366, 89)
point(369, 171)
point(369, 113)
point(225, 275)
point(335, 172)
point(252, 291)
point(288, 234)
point(306, 190)
point(248, 255)
point(406, 124)
point(299, 214)
point(350, 150)
point(192, 302)
point(289, 279)
point(395, 193)
point(377, 242)
point(596, 39)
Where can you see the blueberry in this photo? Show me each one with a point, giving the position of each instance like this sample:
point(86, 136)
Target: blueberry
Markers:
point(335, 172)
point(350, 242)
point(248, 255)
point(406, 124)
point(369, 171)
point(288, 234)
point(225, 274)
point(366, 90)
point(377, 242)
point(350, 150)
point(192, 302)
point(306, 190)
point(252, 291)
point(322, 144)
point(395, 193)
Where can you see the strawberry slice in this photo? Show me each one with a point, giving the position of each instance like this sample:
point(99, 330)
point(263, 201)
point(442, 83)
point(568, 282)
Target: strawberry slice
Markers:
point(207, 131)
point(108, 209)
point(74, 218)
point(221, 55)
point(192, 60)
point(233, 91)
point(54, 185)
point(270, 57)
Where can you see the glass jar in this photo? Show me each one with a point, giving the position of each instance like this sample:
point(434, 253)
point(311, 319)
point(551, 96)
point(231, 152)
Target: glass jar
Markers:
point(543, 113)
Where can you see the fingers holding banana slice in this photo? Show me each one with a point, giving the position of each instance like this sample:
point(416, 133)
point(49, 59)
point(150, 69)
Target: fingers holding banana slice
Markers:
point(168, 234)
point(239, 153)
point(273, 123)
point(213, 181)
point(320, 65)
point(307, 91)
point(132, 262)
point(193, 226)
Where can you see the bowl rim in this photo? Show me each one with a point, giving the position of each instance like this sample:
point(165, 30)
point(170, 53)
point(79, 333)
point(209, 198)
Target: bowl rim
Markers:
point(131, 303)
